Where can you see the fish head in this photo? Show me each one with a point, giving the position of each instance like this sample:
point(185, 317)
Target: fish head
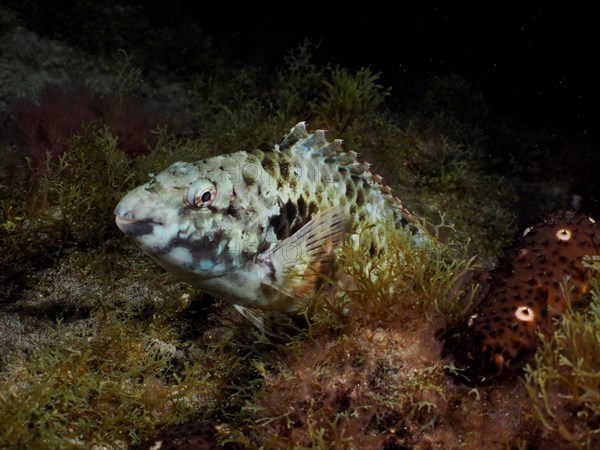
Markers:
point(199, 220)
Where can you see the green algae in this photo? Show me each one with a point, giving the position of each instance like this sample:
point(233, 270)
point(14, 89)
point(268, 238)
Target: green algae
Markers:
point(563, 382)
point(347, 97)
point(128, 374)
point(111, 385)
point(64, 200)
point(134, 363)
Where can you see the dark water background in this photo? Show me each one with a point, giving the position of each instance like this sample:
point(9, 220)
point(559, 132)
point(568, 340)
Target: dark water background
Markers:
point(536, 64)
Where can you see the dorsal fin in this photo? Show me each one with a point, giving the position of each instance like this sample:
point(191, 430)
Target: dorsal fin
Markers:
point(301, 141)
point(315, 144)
point(297, 133)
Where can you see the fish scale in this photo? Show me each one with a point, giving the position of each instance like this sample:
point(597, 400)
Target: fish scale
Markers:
point(257, 228)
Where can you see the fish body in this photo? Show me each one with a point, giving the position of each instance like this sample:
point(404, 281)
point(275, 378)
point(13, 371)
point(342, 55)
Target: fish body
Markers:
point(257, 228)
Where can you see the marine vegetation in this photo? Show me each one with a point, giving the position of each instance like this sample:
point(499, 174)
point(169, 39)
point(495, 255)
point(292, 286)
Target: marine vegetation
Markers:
point(346, 382)
point(193, 435)
point(108, 388)
point(100, 348)
point(332, 98)
point(456, 109)
point(566, 367)
point(347, 97)
point(65, 199)
point(436, 172)
point(47, 126)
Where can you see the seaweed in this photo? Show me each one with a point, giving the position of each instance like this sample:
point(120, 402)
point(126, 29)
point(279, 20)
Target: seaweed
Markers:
point(456, 109)
point(113, 384)
point(563, 382)
point(347, 97)
point(66, 200)
point(300, 82)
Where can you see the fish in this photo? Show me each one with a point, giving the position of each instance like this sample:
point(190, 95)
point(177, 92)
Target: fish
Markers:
point(262, 229)
point(540, 277)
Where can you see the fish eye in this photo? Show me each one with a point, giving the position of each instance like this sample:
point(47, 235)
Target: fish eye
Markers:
point(200, 195)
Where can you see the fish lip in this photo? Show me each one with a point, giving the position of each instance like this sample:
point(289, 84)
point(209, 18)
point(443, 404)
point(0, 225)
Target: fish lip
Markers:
point(121, 220)
point(137, 228)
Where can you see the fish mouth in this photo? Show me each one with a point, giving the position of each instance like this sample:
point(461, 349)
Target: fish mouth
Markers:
point(135, 227)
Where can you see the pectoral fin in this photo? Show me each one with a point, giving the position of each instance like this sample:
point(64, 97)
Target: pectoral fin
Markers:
point(298, 260)
point(274, 324)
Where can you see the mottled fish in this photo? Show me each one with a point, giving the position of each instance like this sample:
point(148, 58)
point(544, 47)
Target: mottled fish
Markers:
point(257, 228)
point(541, 276)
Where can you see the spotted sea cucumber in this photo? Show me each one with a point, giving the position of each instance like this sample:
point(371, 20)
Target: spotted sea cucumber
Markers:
point(538, 279)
